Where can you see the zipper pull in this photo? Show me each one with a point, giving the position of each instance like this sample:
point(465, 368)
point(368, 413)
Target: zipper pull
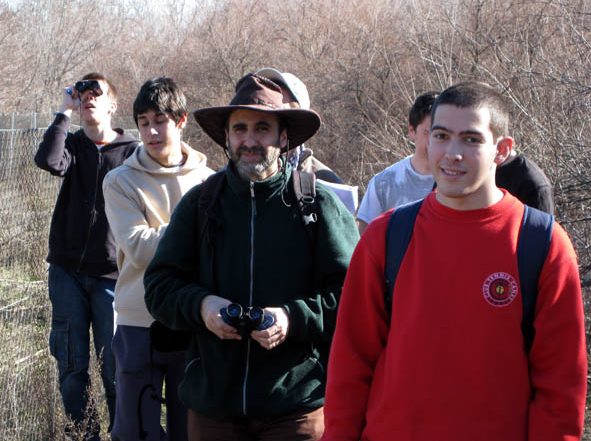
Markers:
point(253, 201)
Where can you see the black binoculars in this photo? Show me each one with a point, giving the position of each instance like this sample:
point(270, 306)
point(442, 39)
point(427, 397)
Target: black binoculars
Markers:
point(248, 319)
point(84, 85)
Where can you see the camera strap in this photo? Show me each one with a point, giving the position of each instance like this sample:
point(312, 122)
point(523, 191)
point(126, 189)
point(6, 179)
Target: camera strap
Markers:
point(304, 187)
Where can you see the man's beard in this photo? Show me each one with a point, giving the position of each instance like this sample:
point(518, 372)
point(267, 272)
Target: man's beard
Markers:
point(254, 171)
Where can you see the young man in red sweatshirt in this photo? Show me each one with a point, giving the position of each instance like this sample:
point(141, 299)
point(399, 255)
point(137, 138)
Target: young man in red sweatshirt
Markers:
point(449, 362)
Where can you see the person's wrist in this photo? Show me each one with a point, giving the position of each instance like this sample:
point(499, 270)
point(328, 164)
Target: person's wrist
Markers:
point(202, 308)
point(209, 304)
point(65, 111)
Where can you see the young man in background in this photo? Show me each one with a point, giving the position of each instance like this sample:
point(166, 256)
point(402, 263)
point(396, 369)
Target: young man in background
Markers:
point(140, 197)
point(82, 261)
point(408, 179)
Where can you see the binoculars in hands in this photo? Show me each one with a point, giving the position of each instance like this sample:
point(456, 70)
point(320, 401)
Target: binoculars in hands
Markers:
point(248, 319)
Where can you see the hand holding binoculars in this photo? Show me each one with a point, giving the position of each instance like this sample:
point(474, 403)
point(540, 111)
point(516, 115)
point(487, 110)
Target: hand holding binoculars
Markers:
point(247, 319)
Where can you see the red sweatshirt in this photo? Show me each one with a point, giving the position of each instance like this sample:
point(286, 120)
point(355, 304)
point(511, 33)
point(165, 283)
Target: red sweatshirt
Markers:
point(452, 365)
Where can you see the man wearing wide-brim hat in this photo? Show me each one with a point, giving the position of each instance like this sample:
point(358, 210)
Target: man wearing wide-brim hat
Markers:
point(239, 238)
point(295, 95)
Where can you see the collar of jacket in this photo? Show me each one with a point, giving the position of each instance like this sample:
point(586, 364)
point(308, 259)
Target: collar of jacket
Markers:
point(262, 189)
point(89, 143)
point(142, 161)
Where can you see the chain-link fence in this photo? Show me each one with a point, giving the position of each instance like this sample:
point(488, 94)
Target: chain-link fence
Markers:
point(34, 120)
point(27, 374)
point(31, 403)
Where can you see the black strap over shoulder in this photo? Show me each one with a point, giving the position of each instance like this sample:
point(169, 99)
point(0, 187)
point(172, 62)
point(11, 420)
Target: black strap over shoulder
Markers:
point(208, 218)
point(532, 249)
point(210, 191)
point(533, 244)
point(304, 186)
point(398, 235)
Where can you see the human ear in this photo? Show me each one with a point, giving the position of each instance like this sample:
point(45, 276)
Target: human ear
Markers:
point(412, 133)
point(182, 122)
point(504, 149)
point(283, 139)
point(227, 140)
point(113, 107)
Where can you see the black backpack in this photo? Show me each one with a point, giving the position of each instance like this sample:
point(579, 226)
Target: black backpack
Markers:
point(532, 248)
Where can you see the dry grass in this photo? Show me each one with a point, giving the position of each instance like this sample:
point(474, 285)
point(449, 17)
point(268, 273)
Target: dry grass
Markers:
point(32, 408)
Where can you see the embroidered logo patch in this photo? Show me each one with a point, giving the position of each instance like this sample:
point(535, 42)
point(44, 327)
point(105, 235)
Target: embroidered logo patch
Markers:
point(499, 289)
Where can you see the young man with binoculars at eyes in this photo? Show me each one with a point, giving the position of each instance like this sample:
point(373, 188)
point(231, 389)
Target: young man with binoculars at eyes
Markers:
point(82, 260)
point(256, 286)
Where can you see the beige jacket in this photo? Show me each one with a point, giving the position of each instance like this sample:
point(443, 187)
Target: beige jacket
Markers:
point(140, 196)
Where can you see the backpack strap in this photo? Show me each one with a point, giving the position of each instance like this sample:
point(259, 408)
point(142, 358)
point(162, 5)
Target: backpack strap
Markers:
point(532, 249)
point(304, 187)
point(210, 191)
point(398, 235)
point(208, 219)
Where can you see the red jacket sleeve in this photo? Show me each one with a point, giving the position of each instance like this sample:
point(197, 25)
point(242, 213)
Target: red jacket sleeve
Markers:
point(558, 360)
point(359, 339)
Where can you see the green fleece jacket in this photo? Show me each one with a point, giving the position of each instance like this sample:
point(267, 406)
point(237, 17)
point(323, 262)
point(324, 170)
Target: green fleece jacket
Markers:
point(255, 251)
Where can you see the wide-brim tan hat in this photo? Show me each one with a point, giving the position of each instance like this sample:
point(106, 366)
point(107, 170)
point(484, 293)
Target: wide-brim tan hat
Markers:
point(263, 95)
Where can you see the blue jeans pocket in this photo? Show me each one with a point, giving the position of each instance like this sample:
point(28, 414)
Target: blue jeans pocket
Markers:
point(59, 342)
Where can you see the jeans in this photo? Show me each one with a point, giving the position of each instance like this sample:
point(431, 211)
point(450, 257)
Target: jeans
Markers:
point(78, 302)
point(141, 372)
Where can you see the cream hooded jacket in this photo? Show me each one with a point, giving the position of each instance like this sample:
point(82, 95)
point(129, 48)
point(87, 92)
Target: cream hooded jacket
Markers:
point(140, 197)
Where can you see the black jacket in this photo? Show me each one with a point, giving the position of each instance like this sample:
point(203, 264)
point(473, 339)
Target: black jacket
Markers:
point(525, 180)
point(257, 252)
point(79, 237)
